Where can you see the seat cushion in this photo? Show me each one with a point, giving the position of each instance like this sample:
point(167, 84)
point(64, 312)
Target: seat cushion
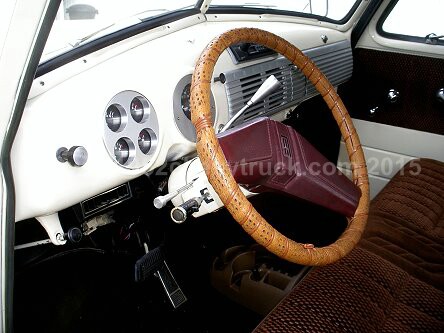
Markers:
point(394, 280)
point(360, 293)
point(406, 221)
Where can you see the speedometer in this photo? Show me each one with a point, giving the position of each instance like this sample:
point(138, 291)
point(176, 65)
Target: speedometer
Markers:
point(182, 108)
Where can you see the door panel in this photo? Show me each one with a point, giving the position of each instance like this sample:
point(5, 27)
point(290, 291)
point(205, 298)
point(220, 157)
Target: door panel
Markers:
point(416, 78)
point(394, 131)
point(388, 148)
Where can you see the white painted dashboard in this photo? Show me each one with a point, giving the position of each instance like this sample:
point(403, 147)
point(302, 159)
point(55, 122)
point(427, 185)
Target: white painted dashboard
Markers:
point(66, 108)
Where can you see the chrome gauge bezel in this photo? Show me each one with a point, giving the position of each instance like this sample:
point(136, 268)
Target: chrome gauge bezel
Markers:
point(183, 124)
point(130, 129)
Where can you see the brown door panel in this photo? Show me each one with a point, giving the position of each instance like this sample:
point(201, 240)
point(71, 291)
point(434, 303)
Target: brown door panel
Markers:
point(416, 78)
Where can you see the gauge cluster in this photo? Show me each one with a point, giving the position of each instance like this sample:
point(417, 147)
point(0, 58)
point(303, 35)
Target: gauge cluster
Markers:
point(131, 129)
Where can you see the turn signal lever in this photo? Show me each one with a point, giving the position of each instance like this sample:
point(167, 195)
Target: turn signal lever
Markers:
point(180, 213)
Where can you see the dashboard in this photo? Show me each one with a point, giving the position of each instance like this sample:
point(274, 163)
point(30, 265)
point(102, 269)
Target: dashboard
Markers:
point(127, 105)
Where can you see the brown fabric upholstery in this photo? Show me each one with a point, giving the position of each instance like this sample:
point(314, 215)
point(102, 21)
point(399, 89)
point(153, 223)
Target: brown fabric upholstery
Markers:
point(406, 222)
point(360, 293)
point(392, 282)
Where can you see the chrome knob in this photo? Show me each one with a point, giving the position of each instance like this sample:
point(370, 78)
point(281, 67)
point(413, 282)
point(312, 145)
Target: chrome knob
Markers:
point(393, 96)
point(76, 155)
point(440, 95)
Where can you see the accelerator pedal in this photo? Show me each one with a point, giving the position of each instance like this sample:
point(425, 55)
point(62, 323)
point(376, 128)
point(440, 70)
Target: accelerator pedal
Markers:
point(153, 262)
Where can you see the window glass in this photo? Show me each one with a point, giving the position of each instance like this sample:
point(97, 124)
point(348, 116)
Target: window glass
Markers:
point(416, 18)
point(80, 21)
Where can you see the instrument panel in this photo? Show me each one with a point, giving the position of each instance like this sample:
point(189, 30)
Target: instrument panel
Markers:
point(128, 106)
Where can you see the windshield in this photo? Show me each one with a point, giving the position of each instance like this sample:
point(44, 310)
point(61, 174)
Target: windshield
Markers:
point(332, 9)
point(81, 21)
point(78, 21)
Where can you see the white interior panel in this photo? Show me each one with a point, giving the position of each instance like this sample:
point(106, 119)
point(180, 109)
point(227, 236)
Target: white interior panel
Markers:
point(388, 148)
point(66, 107)
point(376, 183)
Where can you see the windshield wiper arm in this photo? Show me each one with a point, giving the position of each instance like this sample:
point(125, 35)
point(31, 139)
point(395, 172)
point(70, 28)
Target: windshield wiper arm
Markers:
point(433, 38)
point(83, 39)
point(124, 23)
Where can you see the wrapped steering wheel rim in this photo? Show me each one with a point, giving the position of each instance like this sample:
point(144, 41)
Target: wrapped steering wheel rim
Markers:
point(218, 171)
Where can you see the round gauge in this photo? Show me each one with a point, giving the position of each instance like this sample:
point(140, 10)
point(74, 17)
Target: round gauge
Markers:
point(147, 140)
point(139, 109)
point(144, 140)
point(115, 117)
point(185, 101)
point(124, 151)
point(182, 108)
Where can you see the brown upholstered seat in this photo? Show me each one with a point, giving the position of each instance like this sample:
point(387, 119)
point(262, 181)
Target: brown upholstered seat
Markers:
point(406, 222)
point(360, 293)
point(393, 282)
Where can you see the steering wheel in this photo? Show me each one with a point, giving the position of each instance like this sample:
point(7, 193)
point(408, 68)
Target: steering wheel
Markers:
point(219, 173)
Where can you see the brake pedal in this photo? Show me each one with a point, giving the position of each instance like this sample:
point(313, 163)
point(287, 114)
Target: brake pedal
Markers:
point(154, 262)
point(148, 264)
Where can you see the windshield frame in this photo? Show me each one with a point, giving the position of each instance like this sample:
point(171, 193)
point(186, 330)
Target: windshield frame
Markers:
point(201, 7)
point(112, 38)
point(230, 9)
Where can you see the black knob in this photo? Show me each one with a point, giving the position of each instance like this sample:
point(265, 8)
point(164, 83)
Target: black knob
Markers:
point(74, 235)
point(76, 155)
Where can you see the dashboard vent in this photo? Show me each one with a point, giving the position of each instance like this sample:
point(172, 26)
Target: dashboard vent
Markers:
point(335, 60)
point(243, 83)
point(103, 201)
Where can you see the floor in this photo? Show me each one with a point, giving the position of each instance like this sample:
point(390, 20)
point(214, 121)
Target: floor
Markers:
point(90, 287)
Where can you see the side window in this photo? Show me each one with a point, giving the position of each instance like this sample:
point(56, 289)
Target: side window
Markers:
point(416, 21)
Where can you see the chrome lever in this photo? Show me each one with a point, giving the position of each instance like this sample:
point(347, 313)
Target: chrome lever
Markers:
point(433, 38)
point(270, 85)
point(160, 201)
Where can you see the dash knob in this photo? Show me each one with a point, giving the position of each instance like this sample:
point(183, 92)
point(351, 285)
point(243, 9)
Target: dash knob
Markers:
point(76, 155)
